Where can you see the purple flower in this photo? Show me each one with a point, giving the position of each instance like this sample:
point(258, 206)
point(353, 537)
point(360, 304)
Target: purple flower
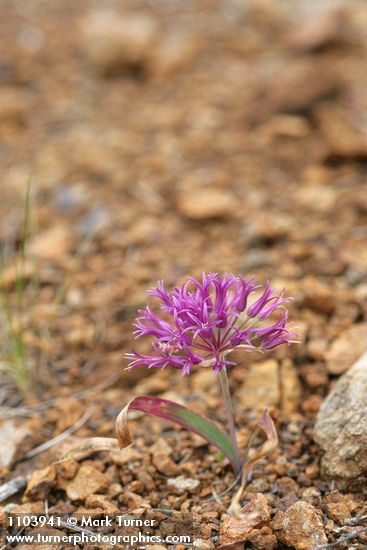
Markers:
point(202, 322)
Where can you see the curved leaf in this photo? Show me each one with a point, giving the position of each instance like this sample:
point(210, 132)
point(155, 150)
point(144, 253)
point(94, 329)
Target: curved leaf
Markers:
point(265, 424)
point(168, 410)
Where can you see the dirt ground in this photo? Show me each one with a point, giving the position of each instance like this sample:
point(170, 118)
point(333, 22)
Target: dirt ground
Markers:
point(164, 139)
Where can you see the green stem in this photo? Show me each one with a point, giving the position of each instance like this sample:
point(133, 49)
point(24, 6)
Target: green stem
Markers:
point(223, 379)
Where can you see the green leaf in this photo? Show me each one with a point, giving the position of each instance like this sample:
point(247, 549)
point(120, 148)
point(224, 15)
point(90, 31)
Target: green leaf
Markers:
point(178, 414)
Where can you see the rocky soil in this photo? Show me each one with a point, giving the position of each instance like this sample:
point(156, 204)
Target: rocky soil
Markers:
point(164, 139)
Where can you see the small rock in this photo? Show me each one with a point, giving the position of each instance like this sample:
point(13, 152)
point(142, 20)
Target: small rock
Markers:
point(344, 137)
point(69, 198)
point(300, 526)
point(87, 481)
point(288, 126)
point(315, 375)
point(182, 484)
point(125, 456)
point(174, 52)
point(14, 105)
point(102, 502)
point(261, 387)
point(202, 381)
point(336, 507)
point(10, 274)
point(312, 495)
point(287, 485)
point(267, 228)
point(205, 204)
point(201, 544)
point(298, 86)
point(135, 501)
point(114, 490)
point(145, 232)
point(40, 483)
point(290, 388)
point(154, 385)
point(115, 43)
point(262, 539)
point(19, 510)
point(316, 197)
point(254, 515)
point(66, 469)
point(318, 296)
point(161, 459)
point(341, 429)
point(285, 502)
point(54, 243)
point(14, 438)
point(346, 349)
point(320, 30)
point(312, 404)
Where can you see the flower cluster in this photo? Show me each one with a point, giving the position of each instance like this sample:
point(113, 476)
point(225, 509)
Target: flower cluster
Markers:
point(201, 322)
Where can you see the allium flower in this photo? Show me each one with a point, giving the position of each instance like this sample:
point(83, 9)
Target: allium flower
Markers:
point(200, 323)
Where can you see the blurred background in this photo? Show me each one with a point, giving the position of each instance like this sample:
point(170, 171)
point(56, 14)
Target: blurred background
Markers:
point(167, 138)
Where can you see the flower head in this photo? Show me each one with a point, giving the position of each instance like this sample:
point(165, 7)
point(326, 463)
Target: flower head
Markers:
point(201, 322)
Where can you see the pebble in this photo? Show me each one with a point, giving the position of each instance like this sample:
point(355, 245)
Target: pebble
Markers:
point(316, 197)
point(205, 204)
point(312, 495)
point(116, 42)
point(14, 105)
point(312, 404)
point(115, 489)
point(289, 126)
point(20, 510)
point(321, 29)
point(40, 483)
point(261, 387)
point(103, 502)
point(10, 273)
point(125, 456)
point(337, 507)
point(201, 544)
point(134, 500)
point(285, 502)
point(315, 375)
point(182, 484)
point(14, 438)
point(262, 539)
point(290, 388)
point(66, 469)
point(267, 228)
point(235, 529)
point(341, 429)
point(346, 349)
point(344, 138)
point(300, 526)
point(318, 296)
point(161, 459)
point(297, 86)
point(287, 485)
point(52, 244)
point(175, 52)
point(87, 481)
